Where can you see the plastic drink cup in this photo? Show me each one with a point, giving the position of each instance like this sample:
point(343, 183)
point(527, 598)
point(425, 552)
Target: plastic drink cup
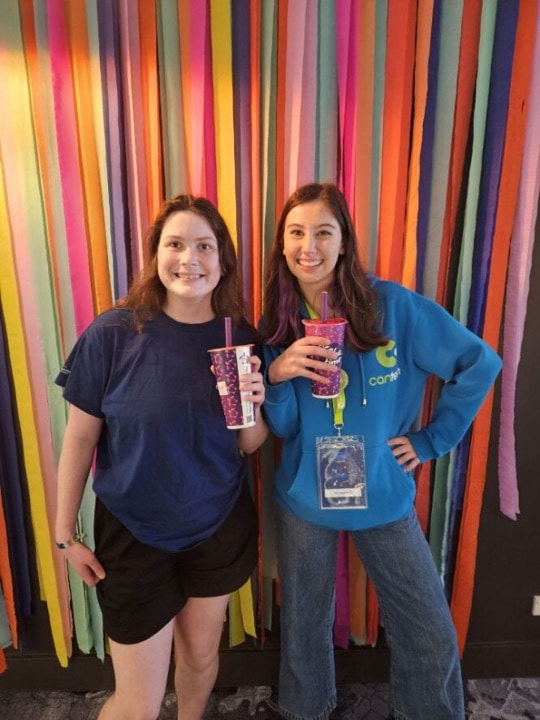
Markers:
point(229, 363)
point(334, 330)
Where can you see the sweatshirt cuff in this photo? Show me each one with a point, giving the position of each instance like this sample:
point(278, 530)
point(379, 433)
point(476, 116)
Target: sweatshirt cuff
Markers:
point(422, 446)
point(275, 393)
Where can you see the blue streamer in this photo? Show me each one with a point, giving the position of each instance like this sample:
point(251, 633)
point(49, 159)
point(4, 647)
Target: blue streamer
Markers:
point(11, 484)
point(426, 154)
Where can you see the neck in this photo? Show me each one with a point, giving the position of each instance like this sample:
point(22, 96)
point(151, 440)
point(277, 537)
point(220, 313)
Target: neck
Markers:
point(189, 313)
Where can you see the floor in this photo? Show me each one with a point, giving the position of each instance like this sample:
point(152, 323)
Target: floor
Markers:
point(512, 699)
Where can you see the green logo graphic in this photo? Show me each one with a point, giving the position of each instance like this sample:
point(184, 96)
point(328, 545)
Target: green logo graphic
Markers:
point(386, 355)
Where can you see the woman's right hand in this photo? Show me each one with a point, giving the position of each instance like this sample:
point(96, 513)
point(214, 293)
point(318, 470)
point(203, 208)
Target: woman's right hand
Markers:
point(85, 563)
point(302, 359)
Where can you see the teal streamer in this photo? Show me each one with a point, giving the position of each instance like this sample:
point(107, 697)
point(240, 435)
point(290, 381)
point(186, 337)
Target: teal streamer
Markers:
point(326, 126)
point(5, 633)
point(381, 13)
point(485, 52)
point(268, 120)
point(171, 103)
point(450, 36)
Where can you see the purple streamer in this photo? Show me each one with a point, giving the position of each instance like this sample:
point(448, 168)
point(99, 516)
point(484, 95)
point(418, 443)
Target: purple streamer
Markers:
point(11, 484)
point(109, 50)
point(242, 123)
point(426, 153)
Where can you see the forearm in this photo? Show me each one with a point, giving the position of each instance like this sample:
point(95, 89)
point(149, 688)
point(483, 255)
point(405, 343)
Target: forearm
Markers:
point(250, 439)
point(74, 465)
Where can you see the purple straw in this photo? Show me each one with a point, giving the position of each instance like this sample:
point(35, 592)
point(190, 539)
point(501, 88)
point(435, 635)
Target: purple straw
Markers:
point(228, 333)
point(324, 306)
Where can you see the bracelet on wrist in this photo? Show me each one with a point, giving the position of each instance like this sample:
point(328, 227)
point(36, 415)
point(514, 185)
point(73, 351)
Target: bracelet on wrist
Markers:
point(77, 537)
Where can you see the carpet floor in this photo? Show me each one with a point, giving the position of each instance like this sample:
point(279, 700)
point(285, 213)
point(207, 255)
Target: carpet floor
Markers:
point(501, 699)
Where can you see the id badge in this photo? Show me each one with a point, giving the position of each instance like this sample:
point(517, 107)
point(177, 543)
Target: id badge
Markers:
point(341, 470)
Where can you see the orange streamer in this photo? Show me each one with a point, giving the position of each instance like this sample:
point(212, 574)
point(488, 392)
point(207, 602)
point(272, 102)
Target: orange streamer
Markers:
point(423, 41)
point(150, 93)
point(396, 131)
point(95, 221)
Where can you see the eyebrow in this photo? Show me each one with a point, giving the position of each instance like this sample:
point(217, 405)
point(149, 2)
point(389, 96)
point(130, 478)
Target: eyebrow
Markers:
point(174, 236)
point(320, 225)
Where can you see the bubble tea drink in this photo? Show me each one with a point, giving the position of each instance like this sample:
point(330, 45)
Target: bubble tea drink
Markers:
point(334, 330)
point(229, 363)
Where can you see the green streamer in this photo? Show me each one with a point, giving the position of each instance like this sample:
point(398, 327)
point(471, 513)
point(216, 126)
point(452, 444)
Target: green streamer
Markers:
point(450, 37)
point(327, 101)
point(485, 52)
point(172, 112)
point(381, 12)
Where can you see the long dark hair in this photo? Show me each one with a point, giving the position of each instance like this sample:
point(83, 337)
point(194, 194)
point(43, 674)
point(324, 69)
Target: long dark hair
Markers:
point(351, 296)
point(147, 293)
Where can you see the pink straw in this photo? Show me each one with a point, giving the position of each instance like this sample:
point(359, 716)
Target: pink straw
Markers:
point(324, 306)
point(228, 333)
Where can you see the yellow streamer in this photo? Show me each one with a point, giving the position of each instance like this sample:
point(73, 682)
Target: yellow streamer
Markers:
point(95, 222)
point(223, 112)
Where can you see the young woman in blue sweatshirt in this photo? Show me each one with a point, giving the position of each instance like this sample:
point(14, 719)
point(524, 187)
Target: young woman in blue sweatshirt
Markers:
point(395, 339)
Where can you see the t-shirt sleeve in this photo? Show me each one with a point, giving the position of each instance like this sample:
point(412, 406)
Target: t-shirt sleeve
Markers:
point(83, 376)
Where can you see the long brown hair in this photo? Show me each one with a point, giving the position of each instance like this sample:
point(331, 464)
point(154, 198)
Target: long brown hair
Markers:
point(147, 293)
point(351, 296)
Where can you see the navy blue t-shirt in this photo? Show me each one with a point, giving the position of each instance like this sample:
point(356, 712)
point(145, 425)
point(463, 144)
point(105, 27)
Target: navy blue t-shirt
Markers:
point(167, 466)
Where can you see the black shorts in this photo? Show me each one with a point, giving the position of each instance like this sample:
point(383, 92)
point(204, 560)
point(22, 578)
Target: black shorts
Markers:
point(145, 587)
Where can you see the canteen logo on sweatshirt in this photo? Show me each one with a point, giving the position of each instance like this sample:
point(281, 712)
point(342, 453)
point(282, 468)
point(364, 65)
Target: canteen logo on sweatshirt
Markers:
point(387, 357)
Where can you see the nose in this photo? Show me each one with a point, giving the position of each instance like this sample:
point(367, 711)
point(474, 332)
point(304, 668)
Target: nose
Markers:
point(308, 242)
point(187, 256)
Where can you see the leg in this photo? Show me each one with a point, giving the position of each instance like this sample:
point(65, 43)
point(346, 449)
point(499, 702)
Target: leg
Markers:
point(306, 564)
point(140, 673)
point(197, 633)
point(426, 676)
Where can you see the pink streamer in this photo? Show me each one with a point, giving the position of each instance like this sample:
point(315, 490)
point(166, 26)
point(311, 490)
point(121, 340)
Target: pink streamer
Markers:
point(209, 146)
point(342, 624)
point(517, 290)
point(294, 88)
point(308, 112)
point(68, 159)
point(347, 23)
point(198, 20)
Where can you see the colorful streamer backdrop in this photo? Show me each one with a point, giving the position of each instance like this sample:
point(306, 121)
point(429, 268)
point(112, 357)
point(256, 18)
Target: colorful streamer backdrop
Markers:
point(418, 109)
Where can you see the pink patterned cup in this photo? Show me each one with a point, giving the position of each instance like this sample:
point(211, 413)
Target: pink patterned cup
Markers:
point(334, 330)
point(229, 363)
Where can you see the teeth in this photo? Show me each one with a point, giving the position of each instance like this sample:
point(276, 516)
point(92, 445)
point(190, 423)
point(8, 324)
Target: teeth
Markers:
point(310, 263)
point(188, 277)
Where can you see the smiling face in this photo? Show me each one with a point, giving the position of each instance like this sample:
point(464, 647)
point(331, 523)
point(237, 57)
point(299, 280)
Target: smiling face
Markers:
point(312, 244)
point(188, 266)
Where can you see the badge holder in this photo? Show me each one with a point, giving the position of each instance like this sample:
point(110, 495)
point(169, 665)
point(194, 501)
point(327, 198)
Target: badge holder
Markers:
point(341, 470)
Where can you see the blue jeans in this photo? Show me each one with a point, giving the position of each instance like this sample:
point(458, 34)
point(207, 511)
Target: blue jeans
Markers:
point(425, 682)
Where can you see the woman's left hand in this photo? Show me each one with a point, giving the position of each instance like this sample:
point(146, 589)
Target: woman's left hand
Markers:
point(252, 383)
point(404, 452)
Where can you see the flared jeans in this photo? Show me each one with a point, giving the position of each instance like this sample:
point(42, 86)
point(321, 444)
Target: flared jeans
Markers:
point(425, 682)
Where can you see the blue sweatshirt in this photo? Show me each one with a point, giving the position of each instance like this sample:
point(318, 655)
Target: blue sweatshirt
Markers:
point(383, 399)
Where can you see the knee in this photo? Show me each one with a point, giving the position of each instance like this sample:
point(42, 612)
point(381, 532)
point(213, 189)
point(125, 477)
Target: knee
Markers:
point(199, 658)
